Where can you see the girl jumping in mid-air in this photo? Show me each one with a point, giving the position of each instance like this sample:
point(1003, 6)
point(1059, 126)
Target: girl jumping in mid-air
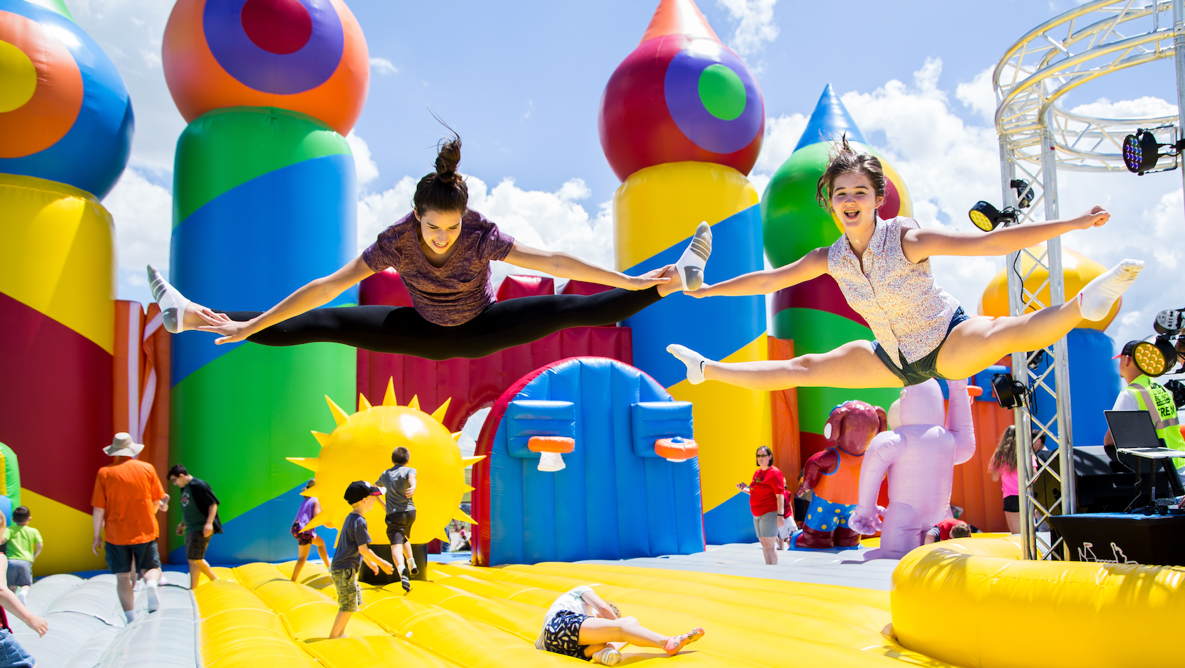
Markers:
point(442, 251)
point(883, 269)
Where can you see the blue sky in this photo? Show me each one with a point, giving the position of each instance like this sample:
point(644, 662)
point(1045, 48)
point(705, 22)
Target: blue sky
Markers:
point(521, 81)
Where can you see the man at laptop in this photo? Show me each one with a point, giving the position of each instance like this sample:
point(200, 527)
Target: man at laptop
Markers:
point(1144, 394)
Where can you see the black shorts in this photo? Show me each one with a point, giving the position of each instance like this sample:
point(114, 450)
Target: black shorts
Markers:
point(1012, 504)
point(127, 558)
point(195, 545)
point(914, 373)
point(399, 526)
point(562, 634)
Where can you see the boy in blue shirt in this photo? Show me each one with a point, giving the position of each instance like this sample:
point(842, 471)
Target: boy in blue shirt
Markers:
point(353, 549)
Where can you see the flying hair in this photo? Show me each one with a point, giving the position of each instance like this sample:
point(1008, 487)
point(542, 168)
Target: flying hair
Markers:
point(847, 160)
point(444, 189)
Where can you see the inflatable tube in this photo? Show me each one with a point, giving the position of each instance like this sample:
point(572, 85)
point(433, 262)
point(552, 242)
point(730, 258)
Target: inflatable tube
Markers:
point(973, 602)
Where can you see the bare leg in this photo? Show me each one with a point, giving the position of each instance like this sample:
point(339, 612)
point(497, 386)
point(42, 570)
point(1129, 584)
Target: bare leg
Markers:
point(597, 631)
point(209, 572)
point(852, 365)
point(320, 543)
point(767, 550)
point(339, 624)
point(1013, 520)
point(195, 573)
point(123, 587)
point(302, 555)
point(977, 343)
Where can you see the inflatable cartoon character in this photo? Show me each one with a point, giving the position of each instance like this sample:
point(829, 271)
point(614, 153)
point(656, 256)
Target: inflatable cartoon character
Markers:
point(920, 457)
point(834, 477)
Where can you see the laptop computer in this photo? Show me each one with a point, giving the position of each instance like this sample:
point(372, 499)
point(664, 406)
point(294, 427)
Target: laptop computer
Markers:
point(1135, 435)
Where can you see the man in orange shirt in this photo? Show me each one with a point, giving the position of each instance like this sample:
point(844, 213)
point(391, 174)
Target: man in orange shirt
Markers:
point(127, 497)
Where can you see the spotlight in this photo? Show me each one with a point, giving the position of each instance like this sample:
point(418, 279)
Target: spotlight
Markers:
point(1141, 150)
point(1009, 393)
point(1024, 194)
point(987, 217)
point(1154, 358)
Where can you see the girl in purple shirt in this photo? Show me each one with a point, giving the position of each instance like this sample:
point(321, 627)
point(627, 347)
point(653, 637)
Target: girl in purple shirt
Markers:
point(442, 251)
point(883, 270)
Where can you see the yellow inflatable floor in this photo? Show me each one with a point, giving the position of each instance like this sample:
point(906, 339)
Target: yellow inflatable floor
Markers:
point(486, 617)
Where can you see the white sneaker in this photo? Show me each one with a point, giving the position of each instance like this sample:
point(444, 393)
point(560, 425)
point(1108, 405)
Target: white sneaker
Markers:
point(172, 303)
point(153, 599)
point(691, 264)
point(607, 657)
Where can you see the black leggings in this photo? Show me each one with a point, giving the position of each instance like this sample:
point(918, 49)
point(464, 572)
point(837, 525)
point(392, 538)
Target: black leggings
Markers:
point(402, 330)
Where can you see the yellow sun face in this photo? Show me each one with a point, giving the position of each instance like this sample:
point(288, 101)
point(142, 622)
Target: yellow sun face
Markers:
point(360, 449)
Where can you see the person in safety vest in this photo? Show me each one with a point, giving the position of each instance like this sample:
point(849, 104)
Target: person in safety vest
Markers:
point(1144, 394)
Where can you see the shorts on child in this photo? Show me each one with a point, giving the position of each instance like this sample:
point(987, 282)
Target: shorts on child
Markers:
point(12, 655)
point(20, 573)
point(824, 515)
point(349, 594)
point(1012, 504)
point(561, 635)
point(196, 543)
point(302, 537)
point(122, 558)
point(399, 526)
point(766, 525)
point(913, 373)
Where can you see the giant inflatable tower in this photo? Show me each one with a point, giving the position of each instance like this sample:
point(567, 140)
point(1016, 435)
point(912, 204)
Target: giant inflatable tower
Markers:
point(65, 131)
point(815, 314)
point(263, 202)
point(681, 122)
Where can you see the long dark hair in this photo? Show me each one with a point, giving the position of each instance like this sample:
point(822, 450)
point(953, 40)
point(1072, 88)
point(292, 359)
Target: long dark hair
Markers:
point(1004, 459)
point(444, 189)
point(847, 160)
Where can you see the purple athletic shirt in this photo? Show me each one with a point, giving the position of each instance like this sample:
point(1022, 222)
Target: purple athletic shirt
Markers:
point(455, 293)
point(306, 511)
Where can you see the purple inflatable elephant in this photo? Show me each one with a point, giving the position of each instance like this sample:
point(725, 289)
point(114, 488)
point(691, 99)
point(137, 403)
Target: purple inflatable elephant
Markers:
point(919, 456)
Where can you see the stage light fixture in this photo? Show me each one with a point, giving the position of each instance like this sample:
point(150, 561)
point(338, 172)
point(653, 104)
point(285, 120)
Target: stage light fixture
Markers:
point(1142, 151)
point(987, 217)
point(1009, 393)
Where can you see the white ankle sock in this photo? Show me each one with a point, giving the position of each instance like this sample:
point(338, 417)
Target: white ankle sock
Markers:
point(693, 360)
point(130, 614)
point(691, 264)
point(1097, 298)
point(172, 303)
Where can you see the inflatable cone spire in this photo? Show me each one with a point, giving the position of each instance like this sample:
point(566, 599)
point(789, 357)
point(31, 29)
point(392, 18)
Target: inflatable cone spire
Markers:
point(829, 121)
point(678, 17)
point(681, 96)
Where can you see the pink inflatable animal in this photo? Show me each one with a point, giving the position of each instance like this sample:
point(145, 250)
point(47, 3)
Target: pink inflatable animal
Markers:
point(834, 477)
point(919, 456)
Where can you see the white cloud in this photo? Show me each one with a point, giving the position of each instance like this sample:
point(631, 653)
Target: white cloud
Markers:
point(383, 66)
point(980, 94)
point(365, 168)
point(1144, 107)
point(781, 136)
point(755, 24)
point(142, 212)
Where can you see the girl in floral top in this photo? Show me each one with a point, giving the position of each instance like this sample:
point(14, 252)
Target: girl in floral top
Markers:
point(883, 269)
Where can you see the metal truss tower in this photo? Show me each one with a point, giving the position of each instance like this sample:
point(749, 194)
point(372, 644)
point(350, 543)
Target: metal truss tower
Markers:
point(1038, 139)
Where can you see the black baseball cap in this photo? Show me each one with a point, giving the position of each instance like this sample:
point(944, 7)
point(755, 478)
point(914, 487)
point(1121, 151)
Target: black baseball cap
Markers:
point(359, 490)
point(1128, 349)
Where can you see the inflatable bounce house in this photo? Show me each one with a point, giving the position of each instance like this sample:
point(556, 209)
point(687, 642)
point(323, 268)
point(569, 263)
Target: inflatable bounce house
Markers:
point(595, 450)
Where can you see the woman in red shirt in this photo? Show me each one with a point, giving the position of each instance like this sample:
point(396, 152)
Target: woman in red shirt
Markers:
point(766, 501)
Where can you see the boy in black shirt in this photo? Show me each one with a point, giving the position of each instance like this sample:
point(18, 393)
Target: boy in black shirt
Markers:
point(352, 549)
point(199, 521)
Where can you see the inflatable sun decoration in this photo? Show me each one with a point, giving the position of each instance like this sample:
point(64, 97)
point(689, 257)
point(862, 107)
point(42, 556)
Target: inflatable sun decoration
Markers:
point(360, 449)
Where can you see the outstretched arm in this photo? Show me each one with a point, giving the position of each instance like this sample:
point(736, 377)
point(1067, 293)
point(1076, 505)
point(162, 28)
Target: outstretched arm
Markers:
point(313, 294)
point(819, 463)
point(919, 245)
point(572, 267)
point(884, 450)
point(958, 420)
point(811, 265)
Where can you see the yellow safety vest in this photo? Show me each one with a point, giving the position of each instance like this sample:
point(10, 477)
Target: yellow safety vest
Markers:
point(1154, 398)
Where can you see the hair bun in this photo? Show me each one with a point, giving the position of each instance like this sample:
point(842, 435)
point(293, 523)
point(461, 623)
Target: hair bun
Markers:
point(447, 158)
